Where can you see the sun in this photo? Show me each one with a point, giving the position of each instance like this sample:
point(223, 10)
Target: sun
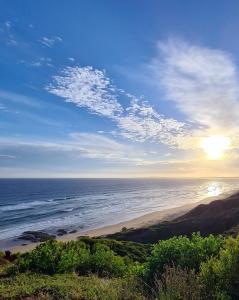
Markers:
point(215, 146)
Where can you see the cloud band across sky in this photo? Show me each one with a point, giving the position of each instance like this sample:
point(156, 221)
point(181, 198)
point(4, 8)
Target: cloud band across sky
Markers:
point(93, 90)
point(200, 83)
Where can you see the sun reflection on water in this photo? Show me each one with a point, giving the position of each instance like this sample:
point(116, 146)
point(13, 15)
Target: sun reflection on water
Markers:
point(214, 189)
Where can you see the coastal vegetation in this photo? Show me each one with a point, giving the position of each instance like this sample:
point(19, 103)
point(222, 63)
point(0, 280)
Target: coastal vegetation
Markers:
point(177, 268)
point(217, 217)
point(171, 263)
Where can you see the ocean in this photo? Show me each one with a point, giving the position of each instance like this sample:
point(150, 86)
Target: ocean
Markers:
point(83, 204)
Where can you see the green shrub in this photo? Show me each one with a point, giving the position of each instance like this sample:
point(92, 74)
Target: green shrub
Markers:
point(135, 251)
point(54, 257)
point(44, 258)
point(75, 256)
point(104, 262)
point(182, 251)
point(219, 274)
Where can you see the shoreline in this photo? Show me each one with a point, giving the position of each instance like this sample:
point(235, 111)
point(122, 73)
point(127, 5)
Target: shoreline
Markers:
point(139, 222)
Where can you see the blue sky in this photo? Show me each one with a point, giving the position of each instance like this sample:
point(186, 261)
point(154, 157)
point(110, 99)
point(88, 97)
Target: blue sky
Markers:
point(117, 88)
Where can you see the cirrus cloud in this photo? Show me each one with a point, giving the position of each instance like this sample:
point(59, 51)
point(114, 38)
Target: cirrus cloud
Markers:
point(92, 89)
point(203, 83)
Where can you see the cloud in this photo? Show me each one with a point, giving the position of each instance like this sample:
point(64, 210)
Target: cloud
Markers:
point(12, 41)
point(92, 89)
point(19, 99)
point(142, 123)
point(9, 34)
point(2, 107)
point(203, 83)
point(76, 146)
point(107, 148)
point(39, 62)
point(7, 156)
point(89, 88)
point(8, 24)
point(50, 42)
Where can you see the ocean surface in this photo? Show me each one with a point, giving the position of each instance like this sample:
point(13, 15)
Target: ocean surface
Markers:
point(82, 204)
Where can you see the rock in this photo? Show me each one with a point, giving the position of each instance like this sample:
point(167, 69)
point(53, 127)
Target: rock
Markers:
point(73, 231)
point(36, 236)
point(61, 232)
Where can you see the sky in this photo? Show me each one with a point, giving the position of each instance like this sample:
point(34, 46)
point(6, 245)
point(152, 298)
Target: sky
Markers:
point(118, 88)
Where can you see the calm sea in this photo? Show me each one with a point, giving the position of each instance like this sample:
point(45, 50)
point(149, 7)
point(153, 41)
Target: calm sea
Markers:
point(50, 204)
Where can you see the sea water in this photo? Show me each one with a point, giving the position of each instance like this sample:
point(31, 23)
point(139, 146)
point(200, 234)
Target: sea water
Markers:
point(83, 204)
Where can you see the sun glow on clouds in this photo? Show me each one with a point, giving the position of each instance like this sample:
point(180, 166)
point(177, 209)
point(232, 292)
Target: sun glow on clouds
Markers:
point(201, 82)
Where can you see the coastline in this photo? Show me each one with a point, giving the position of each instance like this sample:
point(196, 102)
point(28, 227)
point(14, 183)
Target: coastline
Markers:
point(139, 222)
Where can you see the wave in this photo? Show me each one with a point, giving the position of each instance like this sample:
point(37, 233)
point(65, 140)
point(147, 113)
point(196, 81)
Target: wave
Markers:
point(67, 209)
point(50, 224)
point(24, 205)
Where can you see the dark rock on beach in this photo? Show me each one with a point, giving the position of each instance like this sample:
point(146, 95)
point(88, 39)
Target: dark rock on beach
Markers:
point(61, 232)
point(36, 236)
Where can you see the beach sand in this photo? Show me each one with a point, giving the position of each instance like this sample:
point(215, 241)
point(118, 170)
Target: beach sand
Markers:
point(142, 221)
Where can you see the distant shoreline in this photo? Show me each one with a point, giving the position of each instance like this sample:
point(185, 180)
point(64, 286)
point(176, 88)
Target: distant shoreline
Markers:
point(139, 222)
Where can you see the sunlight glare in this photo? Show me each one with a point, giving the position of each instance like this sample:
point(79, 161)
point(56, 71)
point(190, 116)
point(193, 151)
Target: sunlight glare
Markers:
point(215, 146)
point(214, 189)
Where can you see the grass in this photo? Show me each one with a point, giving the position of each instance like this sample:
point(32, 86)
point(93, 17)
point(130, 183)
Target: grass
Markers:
point(67, 286)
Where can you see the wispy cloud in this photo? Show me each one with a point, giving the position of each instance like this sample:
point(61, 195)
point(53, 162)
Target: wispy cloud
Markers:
point(12, 41)
point(2, 107)
point(92, 89)
point(7, 29)
point(76, 146)
point(142, 123)
point(7, 156)
point(50, 41)
point(39, 62)
point(89, 88)
point(19, 99)
point(8, 24)
point(203, 83)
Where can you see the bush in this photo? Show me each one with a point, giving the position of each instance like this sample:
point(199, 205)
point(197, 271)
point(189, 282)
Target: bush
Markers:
point(178, 284)
point(53, 257)
point(43, 258)
point(135, 251)
point(181, 251)
point(104, 262)
point(75, 256)
point(219, 274)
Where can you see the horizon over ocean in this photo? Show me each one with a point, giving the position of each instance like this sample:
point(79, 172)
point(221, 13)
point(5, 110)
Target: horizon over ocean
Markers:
point(48, 204)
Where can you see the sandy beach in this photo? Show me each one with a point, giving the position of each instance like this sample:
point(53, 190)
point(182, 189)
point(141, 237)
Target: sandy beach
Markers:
point(142, 221)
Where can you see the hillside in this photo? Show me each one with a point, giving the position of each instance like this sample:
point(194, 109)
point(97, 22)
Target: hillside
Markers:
point(98, 268)
point(217, 217)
